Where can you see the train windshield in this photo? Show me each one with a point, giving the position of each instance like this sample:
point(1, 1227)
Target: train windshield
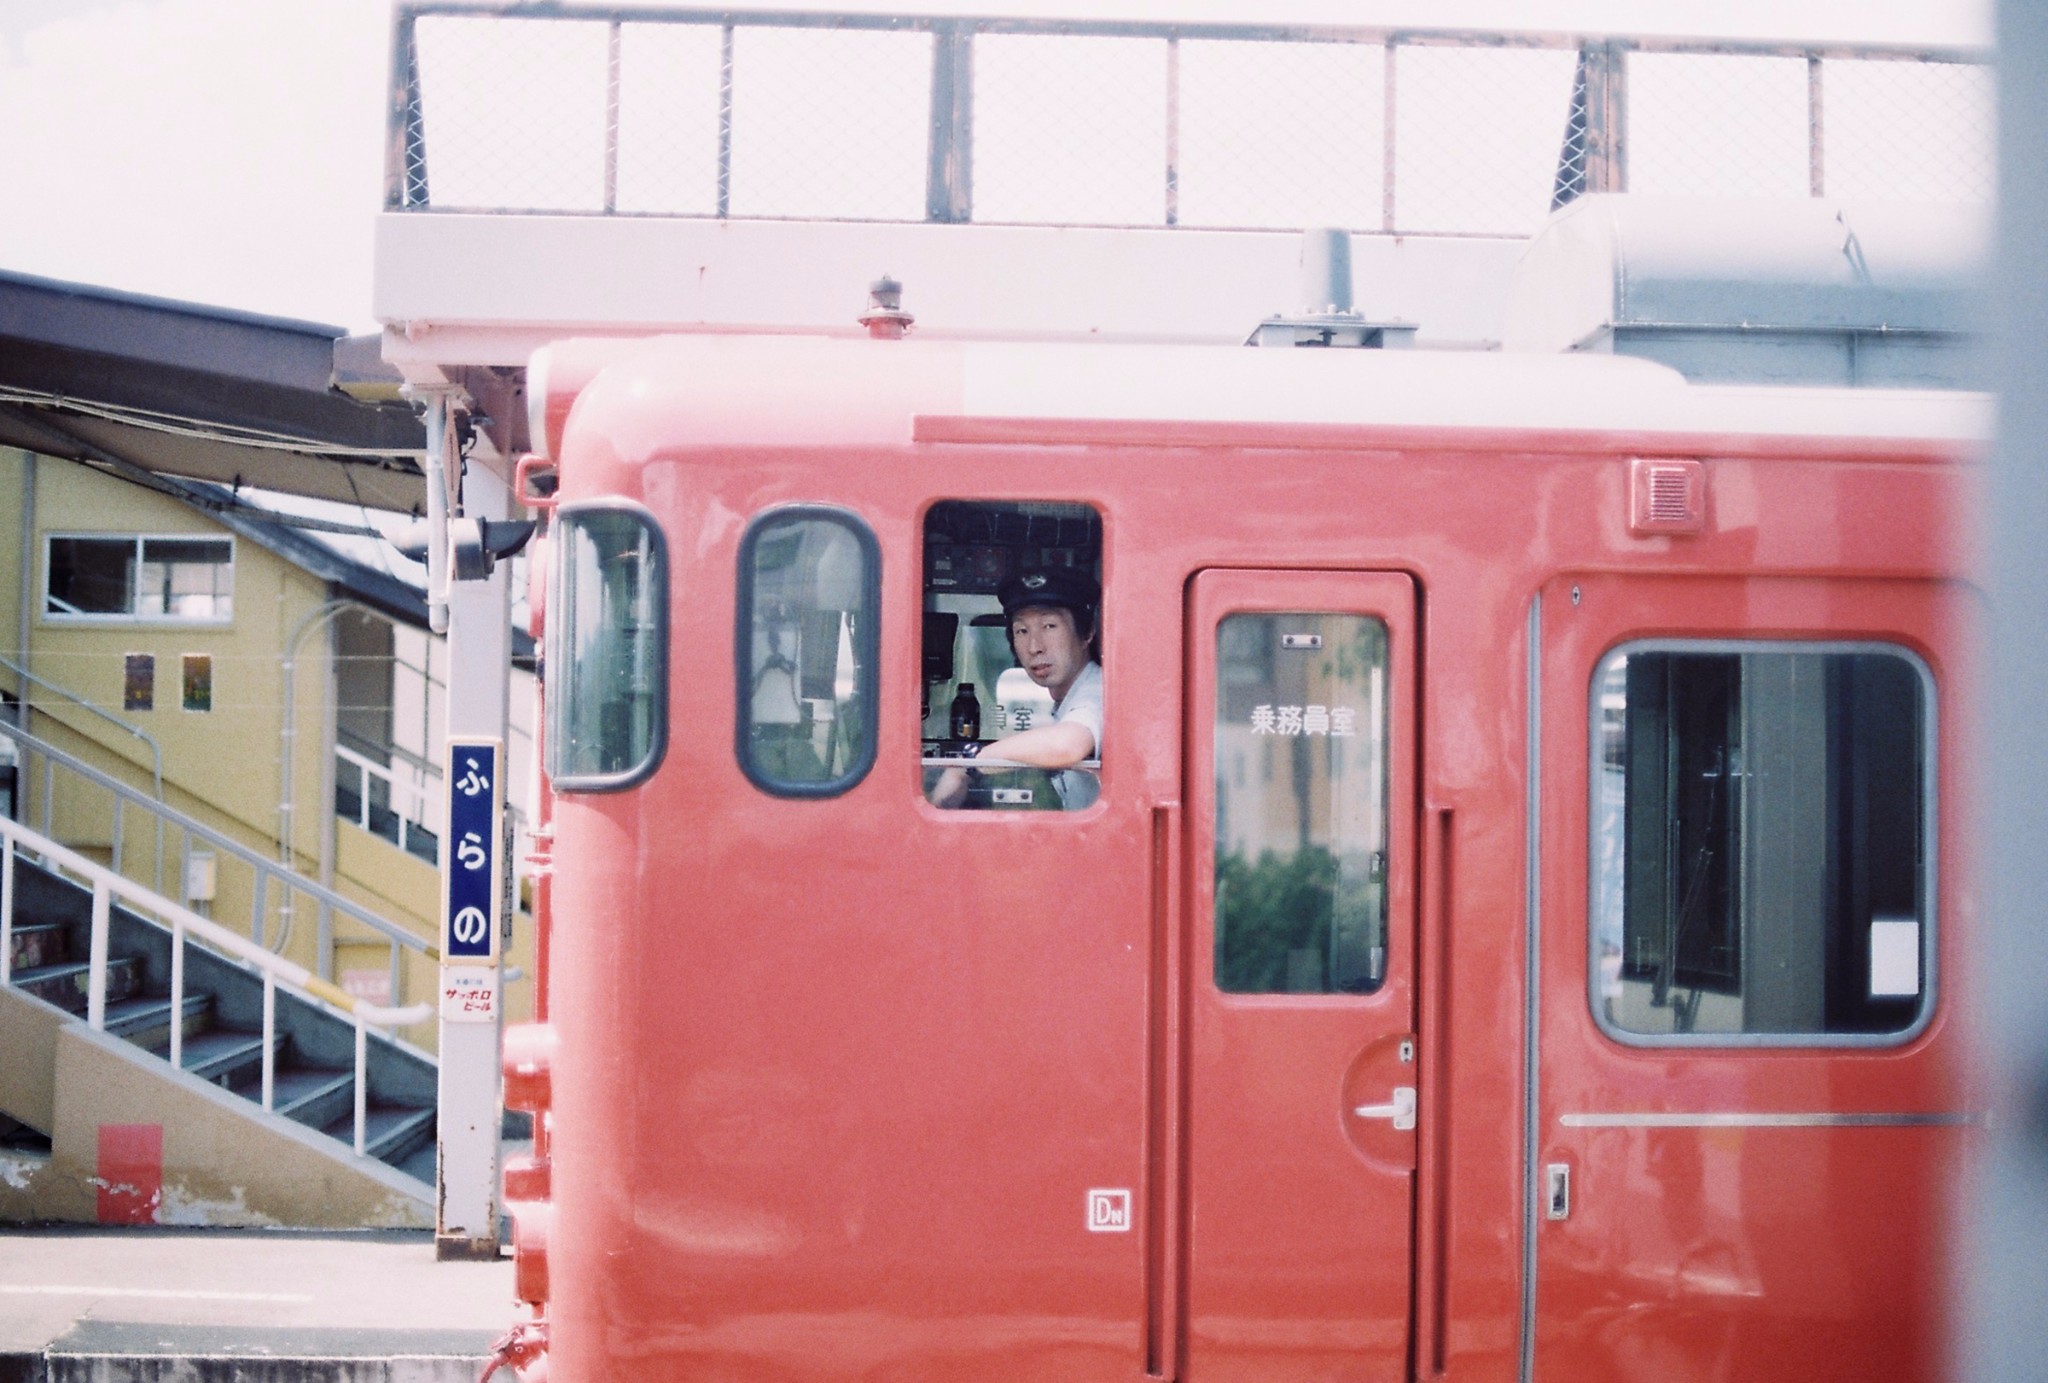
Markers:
point(607, 650)
point(1761, 837)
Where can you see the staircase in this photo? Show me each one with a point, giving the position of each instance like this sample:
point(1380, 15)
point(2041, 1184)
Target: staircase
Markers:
point(221, 1024)
point(217, 1016)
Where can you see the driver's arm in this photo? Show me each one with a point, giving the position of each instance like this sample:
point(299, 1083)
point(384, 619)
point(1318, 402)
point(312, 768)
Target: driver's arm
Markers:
point(1062, 744)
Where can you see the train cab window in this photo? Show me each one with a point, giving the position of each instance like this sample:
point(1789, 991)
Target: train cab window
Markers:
point(1012, 635)
point(1301, 804)
point(606, 660)
point(1762, 827)
point(809, 600)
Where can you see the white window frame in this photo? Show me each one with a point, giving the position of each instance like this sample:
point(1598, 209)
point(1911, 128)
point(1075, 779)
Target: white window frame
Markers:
point(132, 615)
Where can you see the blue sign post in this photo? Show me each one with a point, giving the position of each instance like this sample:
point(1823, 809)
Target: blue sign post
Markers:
point(473, 904)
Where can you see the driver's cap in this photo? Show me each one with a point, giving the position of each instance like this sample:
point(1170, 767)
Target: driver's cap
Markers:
point(1064, 587)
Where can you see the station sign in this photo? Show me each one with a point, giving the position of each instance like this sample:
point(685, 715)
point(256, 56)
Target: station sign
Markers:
point(472, 891)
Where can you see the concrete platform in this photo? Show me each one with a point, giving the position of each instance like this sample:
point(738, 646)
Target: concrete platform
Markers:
point(244, 1306)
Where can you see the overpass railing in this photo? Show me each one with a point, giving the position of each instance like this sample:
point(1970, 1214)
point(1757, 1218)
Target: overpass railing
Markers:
point(622, 110)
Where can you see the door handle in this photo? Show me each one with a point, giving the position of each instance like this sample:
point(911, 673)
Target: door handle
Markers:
point(1401, 1109)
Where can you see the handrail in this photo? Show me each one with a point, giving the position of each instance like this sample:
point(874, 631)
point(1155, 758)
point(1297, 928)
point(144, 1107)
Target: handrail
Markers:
point(415, 820)
point(156, 750)
point(265, 868)
point(182, 922)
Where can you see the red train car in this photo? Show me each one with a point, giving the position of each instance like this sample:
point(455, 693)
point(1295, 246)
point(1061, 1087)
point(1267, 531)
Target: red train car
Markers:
point(1504, 924)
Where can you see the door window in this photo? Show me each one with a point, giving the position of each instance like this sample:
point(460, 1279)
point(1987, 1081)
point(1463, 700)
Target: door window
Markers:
point(1301, 804)
point(1762, 823)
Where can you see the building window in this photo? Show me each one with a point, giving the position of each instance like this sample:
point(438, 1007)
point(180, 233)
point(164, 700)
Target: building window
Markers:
point(138, 682)
point(138, 578)
point(1762, 866)
point(198, 680)
point(809, 615)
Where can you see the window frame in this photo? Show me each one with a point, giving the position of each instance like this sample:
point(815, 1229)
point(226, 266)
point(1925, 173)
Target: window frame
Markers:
point(133, 614)
point(1930, 892)
point(555, 630)
point(867, 649)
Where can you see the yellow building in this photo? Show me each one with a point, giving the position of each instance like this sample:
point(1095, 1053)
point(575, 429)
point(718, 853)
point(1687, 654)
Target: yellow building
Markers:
point(253, 680)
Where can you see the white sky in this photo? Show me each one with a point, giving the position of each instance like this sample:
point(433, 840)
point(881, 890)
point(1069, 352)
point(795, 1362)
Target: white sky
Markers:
point(230, 152)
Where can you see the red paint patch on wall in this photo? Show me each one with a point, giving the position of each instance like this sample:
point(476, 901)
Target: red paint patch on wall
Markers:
point(131, 1173)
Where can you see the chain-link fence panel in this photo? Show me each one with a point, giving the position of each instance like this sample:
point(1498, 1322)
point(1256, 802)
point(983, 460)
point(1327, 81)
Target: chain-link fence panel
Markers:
point(1280, 135)
point(1070, 130)
point(1478, 133)
point(1908, 131)
point(511, 116)
point(907, 118)
point(1717, 125)
point(672, 103)
point(830, 123)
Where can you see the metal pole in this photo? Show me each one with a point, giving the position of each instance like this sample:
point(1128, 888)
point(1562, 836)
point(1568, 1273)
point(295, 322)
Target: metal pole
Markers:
point(611, 125)
point(725, 122)
point(405, 155)
point(2004, 1271)
point(177, 995)
point(468, 1109)
point(949, 155)
point(1816, 129)
point(25, 590)
point(1390, 109)
point(96, 959)
point(1173, 131)
point(1606, 117)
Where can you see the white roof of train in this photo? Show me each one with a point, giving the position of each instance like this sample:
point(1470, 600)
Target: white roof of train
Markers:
point(790, 390)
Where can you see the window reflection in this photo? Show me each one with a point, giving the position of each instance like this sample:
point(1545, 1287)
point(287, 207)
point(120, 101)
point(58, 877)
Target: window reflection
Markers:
point(1301, 804)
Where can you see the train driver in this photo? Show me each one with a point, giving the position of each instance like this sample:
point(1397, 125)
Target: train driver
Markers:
point(1055, 637)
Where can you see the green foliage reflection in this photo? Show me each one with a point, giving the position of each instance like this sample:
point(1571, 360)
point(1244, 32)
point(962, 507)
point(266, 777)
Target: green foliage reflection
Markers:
point(1295, 922)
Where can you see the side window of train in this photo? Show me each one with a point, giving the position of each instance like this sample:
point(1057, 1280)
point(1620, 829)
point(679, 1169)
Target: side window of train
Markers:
point(1013, 640)
point(607, 649)
point(1762, 837)
point(809, 617)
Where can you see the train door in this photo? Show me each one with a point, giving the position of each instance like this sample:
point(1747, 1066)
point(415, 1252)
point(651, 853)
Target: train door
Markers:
point(1748, 1120)
point(1300, 1063)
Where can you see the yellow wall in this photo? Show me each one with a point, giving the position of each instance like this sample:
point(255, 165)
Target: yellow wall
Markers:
point(13, 475)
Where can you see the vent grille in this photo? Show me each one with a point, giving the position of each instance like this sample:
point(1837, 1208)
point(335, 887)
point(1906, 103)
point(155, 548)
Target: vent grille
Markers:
point(1667, 496)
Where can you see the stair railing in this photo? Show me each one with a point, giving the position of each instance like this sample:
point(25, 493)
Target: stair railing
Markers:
point(409, 818)
point(266, 874)
point(156, 751)
point(182, 923)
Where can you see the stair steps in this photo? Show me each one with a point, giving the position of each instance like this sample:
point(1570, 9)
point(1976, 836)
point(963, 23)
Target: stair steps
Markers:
point(66, 982)
point(227, 1057)
point(146, 1021)
point(391, 1133)
point(309, 1084)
